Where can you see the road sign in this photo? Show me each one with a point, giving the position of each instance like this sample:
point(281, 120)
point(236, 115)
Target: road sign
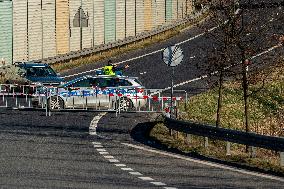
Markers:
point(173, 55)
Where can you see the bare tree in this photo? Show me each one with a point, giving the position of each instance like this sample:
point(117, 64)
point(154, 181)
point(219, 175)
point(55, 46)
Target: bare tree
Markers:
point(242, 34)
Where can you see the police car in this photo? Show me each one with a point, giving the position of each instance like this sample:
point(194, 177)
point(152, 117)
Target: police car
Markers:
point(112, 92)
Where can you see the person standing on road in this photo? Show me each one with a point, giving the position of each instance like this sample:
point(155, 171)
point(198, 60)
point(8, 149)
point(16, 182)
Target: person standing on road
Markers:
point(111, 69)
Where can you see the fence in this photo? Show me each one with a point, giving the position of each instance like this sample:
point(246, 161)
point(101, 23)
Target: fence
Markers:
point(116, 99)
point(250, 139)
point(36, 30)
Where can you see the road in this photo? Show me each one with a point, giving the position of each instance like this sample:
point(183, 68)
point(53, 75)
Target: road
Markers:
point(58, 152)
point(196, 44)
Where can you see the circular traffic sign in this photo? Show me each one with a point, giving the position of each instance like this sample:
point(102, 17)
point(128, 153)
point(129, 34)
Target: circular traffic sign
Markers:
point(173, 55)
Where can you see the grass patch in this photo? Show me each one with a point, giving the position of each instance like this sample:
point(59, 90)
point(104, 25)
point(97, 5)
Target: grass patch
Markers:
point(266, 114)
point(90, 59)
point(266, 160)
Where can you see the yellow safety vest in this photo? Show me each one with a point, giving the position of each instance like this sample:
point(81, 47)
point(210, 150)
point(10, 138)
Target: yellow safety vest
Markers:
point(108, 70)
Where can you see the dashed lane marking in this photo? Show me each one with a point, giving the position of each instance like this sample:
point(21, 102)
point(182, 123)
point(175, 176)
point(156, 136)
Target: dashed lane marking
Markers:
point(103, 153)
point(120, 165)
point(127, 169)
point(100, 148)
point(109, 157)
point(146, 178)
point(158, 183)
point(206, 163)
point(136, 173)
point(145, 55)
point(113, 160)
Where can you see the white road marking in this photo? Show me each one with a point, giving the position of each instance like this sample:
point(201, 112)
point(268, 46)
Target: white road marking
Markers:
point(215, 72)
point(144, 55)
point(206, 163)
point(109, 157)
point(113, 160)
point(120, 165)
point(96, 143)
point(146, 178)
point(94, 124)
point(127, 169)
point(101, 150)
point(103, 153)
point(98, 146)
point(170, 188)
point(158, 183)
point(135, 173)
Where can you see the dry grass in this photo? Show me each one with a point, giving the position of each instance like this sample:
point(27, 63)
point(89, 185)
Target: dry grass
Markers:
point(266, 114)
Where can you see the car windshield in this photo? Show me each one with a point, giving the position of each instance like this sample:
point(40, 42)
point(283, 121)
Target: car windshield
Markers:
point(40, 72)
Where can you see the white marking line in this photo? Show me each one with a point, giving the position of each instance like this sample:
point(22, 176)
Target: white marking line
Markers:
point(144, 55)
point(158, 183)
point(101, 150)
point(170, 188)
point(113, 160)
point(135, 173)
point(109, 157)
point(94, 124)
point(206, 163)
point(98, 146)
point(127, 169)
point(96, 143)
point(103, 153)
point(120, 165)
point(215, 72)
point(146, 178)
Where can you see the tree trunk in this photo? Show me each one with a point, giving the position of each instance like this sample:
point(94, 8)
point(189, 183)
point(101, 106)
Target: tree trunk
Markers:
point(220, 95)
point(245, 95)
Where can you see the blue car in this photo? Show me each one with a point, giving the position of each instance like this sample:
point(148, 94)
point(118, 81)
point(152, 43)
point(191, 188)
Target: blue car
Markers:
point(39, 73)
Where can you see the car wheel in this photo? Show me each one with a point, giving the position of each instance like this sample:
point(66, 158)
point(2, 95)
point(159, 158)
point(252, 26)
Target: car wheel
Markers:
point(55, 103)
point(124, 104)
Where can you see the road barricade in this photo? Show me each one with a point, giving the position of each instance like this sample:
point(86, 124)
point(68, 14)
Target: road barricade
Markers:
point(117, 99)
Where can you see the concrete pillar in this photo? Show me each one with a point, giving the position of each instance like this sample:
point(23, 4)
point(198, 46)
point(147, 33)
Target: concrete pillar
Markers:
point(228, 149)
point(252, 151)
point(282, 159)
point(188, 138)
point(206, 143)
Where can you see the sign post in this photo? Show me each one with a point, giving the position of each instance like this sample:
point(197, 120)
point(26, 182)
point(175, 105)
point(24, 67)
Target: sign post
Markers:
point(172, 56)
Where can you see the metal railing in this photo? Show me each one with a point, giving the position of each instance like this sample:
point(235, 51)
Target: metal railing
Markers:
point(118, 99)
point(234, 136)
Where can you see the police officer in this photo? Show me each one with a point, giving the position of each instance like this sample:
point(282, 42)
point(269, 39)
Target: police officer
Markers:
point(110, 69)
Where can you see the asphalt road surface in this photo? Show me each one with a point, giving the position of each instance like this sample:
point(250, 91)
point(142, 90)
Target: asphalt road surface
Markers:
point(154, 73)
point(58, 152)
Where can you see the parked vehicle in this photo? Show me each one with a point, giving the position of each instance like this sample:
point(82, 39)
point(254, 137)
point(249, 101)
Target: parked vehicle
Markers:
point(39, 73)
point(112, 92)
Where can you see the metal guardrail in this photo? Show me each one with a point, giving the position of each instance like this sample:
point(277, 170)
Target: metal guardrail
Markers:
point(118, 43)
point(250, 139)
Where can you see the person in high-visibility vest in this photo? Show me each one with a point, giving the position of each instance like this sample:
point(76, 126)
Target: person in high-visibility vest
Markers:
point(110, 69)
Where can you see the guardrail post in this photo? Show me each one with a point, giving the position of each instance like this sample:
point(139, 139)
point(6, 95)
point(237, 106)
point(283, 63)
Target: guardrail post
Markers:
point(206, 143)
point(252, 151)
point(228, 149)
point(282, 159)
point(188, 138)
